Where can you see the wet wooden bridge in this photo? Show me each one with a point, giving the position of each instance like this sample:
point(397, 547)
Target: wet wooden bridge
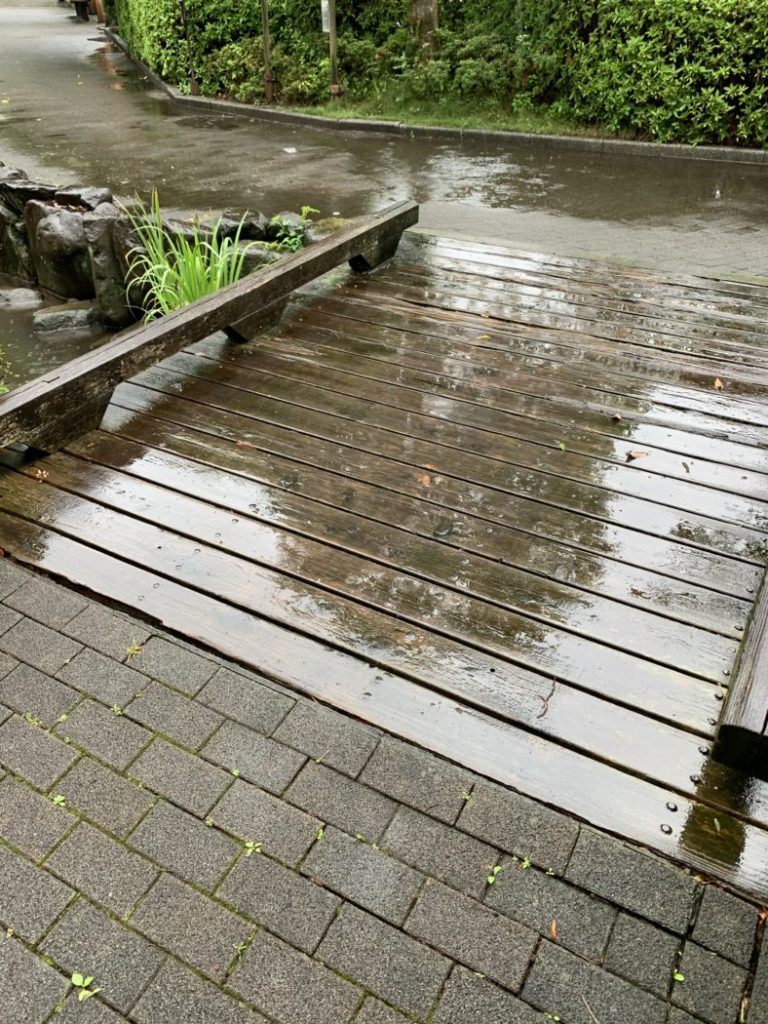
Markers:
point(511, 507)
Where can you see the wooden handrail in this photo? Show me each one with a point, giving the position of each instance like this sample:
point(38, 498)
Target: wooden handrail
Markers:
point(59, 406)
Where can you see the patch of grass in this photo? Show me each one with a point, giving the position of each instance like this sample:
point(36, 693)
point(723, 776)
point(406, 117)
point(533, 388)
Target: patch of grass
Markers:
point(450, 112)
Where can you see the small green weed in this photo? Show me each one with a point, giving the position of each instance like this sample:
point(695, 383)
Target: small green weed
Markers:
point(83, 985)
point(678, 976)
point(252, 847)
point(58, 800)
point(494, 874)
point(289, 237)
point(133, 649)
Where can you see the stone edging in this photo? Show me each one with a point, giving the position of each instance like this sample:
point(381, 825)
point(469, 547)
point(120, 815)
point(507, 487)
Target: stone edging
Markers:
point(621, 147)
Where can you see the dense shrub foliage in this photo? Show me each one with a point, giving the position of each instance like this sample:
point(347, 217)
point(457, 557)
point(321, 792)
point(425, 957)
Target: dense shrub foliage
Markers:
point(670, 70)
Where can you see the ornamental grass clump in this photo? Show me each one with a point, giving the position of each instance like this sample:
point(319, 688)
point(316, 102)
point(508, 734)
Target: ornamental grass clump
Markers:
point(170, 270)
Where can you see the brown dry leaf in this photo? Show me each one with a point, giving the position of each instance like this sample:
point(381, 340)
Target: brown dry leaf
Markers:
point(245, 444)
point(763, 915)
point(483, 337)
point(616, 417)
point(636, 454)
point(428, 465)
point(425, 479)
point(718, 384)
point(553, 929)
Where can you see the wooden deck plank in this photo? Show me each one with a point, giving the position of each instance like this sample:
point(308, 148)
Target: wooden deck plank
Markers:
point(321, 511)
point(666, 551)
point(524, 395)
point(736, 852)
point(291, 579)
point(538, 469)
point(658, 326)
point(536, 352)
point(497, 411)
point(449, 297)
point(614, 292)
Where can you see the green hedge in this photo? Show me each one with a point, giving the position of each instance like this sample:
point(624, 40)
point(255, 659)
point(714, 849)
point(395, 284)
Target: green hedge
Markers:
point(669, 70)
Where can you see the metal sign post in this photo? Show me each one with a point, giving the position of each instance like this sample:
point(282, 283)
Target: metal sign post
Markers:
point(269, 83)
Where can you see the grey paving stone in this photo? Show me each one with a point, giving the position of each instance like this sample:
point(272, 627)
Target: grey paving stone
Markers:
point(177, 995)
point(102, 869)
point(417, 778)
point(269, 764)
point(341, 801)
point(713, 987)
point(184, 845)
point(121, 962)
point(8, 619)
point(678, 1016)
point(110, 737)
point(253, 815)
point(109, 681)
point(35, 755)
point(30, 988)
point(290, 906)
point(184, 778)
point(469, 999)
point(171, 663)
point(329, 737)
point(363, 875)
point(46, 602)
point(30, 822)
point(91, 1011)
point(520, 826)
point(7, 664)
point(246, 700)
point(726, 925)
point(578, 992)
point(106, 632)
point(37, 645)
point(473, 934)
point(583, 923)
point(12, 577)
point(390, 964)
point(290, 987)
point(633, 879)
point(30, 898)
point(758, 1005)
point(180, 718)
point(27, 690)
point(106, 798)
point(375, 1012)
point(643, 954)
point(191, 926)
point(441, 851)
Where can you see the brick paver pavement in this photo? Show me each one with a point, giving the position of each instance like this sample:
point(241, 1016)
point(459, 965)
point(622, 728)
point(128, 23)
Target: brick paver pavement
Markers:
point(214, 849)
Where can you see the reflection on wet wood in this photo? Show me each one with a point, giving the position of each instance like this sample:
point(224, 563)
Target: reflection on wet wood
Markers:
point(491, 501)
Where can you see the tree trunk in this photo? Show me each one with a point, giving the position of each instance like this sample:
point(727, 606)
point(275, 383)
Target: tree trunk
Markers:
point(422, 17)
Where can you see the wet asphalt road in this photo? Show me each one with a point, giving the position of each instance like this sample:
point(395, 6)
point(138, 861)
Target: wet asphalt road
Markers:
point(72, 109)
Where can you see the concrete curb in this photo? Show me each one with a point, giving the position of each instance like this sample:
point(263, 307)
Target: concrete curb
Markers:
point(619, 147)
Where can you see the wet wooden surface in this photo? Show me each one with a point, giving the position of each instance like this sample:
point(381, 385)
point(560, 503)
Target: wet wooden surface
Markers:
point(511, 507)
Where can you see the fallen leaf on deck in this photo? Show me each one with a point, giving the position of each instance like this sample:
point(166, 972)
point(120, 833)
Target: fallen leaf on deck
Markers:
point(718, 384)
point(616, 417)
point(245, 444)
point(686, 467)
point(483, 337)
point(637, 454)
point(428, 465)
point(425, 479)
point(553, 929)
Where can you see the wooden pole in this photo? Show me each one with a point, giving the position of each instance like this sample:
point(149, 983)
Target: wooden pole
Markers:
point(194, 85)
point(269, 84)
point(333, 47)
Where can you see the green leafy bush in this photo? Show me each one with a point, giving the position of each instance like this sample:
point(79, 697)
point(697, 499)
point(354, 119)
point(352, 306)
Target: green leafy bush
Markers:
point(668, 70)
